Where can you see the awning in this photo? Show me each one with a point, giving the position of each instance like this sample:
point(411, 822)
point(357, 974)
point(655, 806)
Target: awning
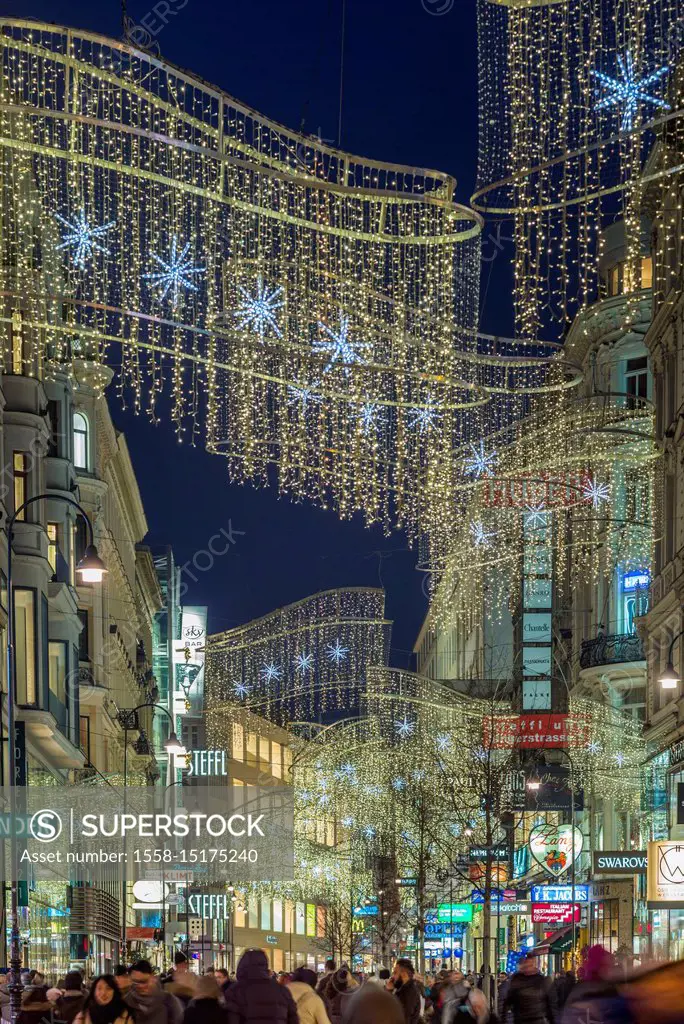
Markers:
point(558, 942)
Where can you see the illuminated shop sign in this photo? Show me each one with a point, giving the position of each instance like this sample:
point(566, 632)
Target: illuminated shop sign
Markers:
point(636, 578)
point(208, 763)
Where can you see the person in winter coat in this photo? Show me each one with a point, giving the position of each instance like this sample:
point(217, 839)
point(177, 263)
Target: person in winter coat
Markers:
point(148, 1001)
point(597, 996)
point(36, 1008)
point(206, 1006)
point(563, 986)
point(530, 995)
point(405, 988)
point(336, 992)
point(372, 1005)
point(104, 1004)
point(310, 1006)
point(181, 981)
point(70, 1001)
point(256, 998)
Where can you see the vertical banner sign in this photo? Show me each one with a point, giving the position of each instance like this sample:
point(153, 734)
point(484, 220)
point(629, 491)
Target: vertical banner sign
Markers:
point(680, 803)
point(188, 662)
point(536, 611)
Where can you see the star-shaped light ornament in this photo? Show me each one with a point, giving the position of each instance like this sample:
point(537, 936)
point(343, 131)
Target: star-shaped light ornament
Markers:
point(303, 395)
point(427, 416)
point(536, 516)
point(480, 463)
point(481, 538)
point(176, 272)
point(443, 742)
point(258, 312)
point(270, 672)
point(595, 492)
point(241, 690)
point(340, 348)
point(369, 417)
point(628, 91)
point(404, 728)
point(82, 237)
point(304, 662)
point(336, 652)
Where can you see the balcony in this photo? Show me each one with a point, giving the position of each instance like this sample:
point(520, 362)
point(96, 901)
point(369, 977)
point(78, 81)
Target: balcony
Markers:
point(612, 649)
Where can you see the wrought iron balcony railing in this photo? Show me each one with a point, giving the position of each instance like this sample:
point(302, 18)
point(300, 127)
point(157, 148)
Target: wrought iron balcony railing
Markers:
point(612, 649)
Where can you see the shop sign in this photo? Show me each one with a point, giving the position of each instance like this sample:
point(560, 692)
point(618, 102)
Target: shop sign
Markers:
point(554, 792)
point(636, 578)
point(406, 883)
point(665, 874)
point(537, 627)
point(536, 694)
point(536, 661)
point(210, 906)
point(455, 912)
point(555, 913)
point(530, 732)
point(139, 933)
point(559, 893)
point(555, 847)
point(619, 862)
point(537, 592)
point(544, 488)
point(208, 763)
point(369, 910)
point(478, 854)
point(272, 940)
point(496, 896)
point(680, 803)
point(516, 907)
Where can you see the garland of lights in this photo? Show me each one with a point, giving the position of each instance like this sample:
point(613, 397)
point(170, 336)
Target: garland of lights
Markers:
point(573, 97)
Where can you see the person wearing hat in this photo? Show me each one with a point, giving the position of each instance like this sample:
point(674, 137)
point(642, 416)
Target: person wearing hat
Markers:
point(310, 1006)
point(337, 991)
point(530, 995)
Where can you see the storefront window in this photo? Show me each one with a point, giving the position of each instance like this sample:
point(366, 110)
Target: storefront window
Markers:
point(604, 924)
point(26, 649)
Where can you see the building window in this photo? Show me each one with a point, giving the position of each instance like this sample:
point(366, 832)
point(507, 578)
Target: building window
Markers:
point(265, 915)
point(20, 466)
point(54, 412)
point(276, 760)
point(83, 636)
point(26, 645)
point(646, 272)
point(81, 441)
point(251, 746)
point(79, 545)
point(53, 544)
point(636, 377)
point(84, 735)
point(57, 669)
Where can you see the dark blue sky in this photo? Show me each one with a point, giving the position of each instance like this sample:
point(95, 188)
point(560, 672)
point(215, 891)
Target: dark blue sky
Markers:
point(409, 97)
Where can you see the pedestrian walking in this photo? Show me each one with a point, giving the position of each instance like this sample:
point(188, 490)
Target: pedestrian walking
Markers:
point(330, 968)
point(181, 981)
point(310, 1007)
point(207, 1005)
point(337, 990)
point(223, 979)
point(596, 996)
point(104, 1004)
point(372, 1005)
point(530, 995)
point(150, 1003)
point(71, 999)
point(36, 1008)
point(563, 985)
point(122, 978)
point(404, 986)
point(256, 998)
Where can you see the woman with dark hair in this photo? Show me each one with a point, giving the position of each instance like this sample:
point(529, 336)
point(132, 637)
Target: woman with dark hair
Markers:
point(370, 1005)
point(104, 1004)
point(35, 1006)
point(310, 1006)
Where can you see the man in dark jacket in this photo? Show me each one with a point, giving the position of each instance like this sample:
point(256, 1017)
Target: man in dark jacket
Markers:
point(72, 998)
point(405, 988)
point(256, 998)
point(530, 995)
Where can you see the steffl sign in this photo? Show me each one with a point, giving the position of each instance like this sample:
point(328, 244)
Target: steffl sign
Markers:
point(207, 763)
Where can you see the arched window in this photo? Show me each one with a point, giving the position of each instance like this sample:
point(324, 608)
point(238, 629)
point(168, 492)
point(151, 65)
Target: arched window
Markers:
point(81, 441)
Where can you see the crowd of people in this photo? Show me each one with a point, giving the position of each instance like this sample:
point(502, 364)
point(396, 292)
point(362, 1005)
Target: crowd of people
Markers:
point(255, 995)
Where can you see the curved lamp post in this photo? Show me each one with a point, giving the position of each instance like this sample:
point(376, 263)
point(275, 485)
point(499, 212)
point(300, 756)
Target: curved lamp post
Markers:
point(670, 679)
point(91, 569)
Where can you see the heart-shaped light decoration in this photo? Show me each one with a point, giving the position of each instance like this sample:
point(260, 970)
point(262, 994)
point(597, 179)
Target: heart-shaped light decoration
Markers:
point(555, 847)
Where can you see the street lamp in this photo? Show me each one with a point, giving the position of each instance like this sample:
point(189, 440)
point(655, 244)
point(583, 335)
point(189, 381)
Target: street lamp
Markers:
point(670, 679)
point(91, 569)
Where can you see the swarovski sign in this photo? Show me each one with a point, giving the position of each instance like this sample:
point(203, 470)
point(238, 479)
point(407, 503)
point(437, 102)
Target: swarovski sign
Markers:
point(620, 862)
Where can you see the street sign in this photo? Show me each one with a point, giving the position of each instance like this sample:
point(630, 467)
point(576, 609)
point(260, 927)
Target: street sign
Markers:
point(370, 910)
point(496, 896)
point(407, 882)
point(555, 913)
point(516, 907)
point(559, 893)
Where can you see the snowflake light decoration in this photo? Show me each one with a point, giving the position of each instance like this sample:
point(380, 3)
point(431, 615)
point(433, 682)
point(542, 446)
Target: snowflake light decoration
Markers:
point(427, 416)
point(480, 463)
point(336, 652)
point(304, 395)
point(398, 784)
point(258, 310)
point(369, 831)
point(443, 741)
point(594, 747)
point(369, 416)
point(404, 728)
point(536, 515)
point(304, 662)
point(271, 672)
point(347, 771)
point(481, 537)
point(595, 492)
point(176, 272)
point(348, 821)
point(80, 234)
point(619, 759)
point(339, 346)
point(241, 690)
point(629, 90)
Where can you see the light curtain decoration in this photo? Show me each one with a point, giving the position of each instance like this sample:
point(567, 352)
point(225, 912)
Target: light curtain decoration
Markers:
point(580, 115)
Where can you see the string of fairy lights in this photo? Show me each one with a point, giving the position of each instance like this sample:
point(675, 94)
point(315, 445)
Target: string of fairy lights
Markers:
point(576, 97)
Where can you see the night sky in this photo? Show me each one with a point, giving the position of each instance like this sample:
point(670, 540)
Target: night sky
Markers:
point(410, 80)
